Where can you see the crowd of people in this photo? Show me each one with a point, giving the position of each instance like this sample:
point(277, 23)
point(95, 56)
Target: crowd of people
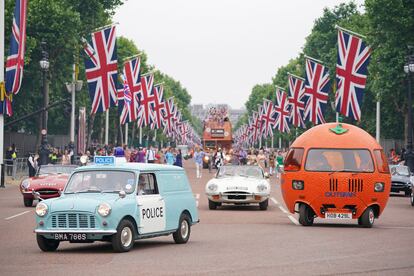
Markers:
point(217, 114)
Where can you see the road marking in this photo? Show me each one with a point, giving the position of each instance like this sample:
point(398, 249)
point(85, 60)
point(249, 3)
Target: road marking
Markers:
point(197, 196)
point(19, 214)
point(292, 218)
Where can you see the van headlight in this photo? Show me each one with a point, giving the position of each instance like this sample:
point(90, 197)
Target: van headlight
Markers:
point(25, 184)
point(298, 185)
point(104, 209)
point(212, 187)
point(379, 187)
point(261, 187)
point(41, 209)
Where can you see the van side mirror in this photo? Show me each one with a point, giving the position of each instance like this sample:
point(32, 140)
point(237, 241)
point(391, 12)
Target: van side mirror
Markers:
point(122, 194)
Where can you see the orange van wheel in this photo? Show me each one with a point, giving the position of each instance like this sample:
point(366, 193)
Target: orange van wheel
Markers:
point(306, 215)
point(367, 218)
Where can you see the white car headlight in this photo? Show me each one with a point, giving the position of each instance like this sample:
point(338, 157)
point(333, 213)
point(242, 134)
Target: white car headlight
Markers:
point(104, 209)
point(261, 187)
point(212, 187)
point(41, 209)
point(25, 184)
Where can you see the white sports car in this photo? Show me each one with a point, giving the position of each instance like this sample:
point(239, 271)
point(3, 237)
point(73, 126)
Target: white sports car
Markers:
point(238, 185)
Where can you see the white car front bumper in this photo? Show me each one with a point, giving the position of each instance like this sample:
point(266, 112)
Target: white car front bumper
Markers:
point(238, 197)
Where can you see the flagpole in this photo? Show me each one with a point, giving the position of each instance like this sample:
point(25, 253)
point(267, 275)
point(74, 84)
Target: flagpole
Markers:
point(155, 135)
point(106, 126)
point(348, 31)
point(126, 134)
point(140, 136)
point(378, 123)
point(104, 27)
point(314, 59)
point(272, 141)
point(2, 3)
point(280, 142)
point(293, 75)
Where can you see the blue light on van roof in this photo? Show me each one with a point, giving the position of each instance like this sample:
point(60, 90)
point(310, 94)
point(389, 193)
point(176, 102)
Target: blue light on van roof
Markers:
point(104, 160)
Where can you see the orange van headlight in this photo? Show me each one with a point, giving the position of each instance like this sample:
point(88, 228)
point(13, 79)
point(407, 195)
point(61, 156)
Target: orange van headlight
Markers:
point(298, 184)
point(379, 187)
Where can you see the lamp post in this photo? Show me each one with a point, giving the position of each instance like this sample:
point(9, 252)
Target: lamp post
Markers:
point(44, 65)
point(409, 155)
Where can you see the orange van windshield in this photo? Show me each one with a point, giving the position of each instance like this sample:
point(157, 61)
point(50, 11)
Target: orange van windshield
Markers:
point(293, 159)
point(345, 160)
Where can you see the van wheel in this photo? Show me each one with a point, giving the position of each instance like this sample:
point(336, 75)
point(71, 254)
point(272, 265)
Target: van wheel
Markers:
point(123, 240)
point(367, 218)
point(182, 234)
point(212, 205)
point(306, 215)
point(412, 198)
point(46, 245)
point(28, 202)
point(263, 205)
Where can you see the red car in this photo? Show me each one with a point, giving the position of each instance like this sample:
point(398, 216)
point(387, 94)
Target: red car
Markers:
point(49, 181)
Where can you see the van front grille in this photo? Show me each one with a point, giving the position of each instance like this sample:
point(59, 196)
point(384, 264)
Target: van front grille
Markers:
point(73, 221)
point(355, 185)
point(333, 185)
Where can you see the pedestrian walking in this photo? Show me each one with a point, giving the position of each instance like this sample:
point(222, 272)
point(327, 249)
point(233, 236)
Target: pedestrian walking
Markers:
point(279, 163)
point(9, 161)
point(261, 159)
point(32, 164)
point(271, 162)
point(198, 159)
point(219, 158)
point(66, 158)
point(140, 157)
point(150, 155)
point(169, 157)
point(179, 159)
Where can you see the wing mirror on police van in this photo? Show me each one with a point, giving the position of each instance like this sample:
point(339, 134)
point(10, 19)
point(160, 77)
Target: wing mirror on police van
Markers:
point(122, 194)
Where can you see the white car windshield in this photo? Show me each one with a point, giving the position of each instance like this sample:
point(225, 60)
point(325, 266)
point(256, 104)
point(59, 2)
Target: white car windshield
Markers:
point(244, 171)
point(101, 182)
point(56, 169)
point(401, 170)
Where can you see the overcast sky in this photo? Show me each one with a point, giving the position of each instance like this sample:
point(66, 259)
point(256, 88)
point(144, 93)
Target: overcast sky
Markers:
point(219, 49)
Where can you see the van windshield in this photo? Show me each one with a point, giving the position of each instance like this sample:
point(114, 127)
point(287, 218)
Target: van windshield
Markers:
point(339, 160)
point(101, 182)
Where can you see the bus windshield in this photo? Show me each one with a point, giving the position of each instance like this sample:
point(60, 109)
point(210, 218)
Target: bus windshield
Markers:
point(339, 160)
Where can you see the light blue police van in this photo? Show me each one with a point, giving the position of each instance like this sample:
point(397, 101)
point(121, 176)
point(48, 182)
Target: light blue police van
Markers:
point(118, 202)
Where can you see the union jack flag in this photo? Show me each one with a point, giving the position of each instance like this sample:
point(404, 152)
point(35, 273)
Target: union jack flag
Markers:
point(256, 126)
point(132, 87)
point(101, 69)
point(6, 104)
point(168, 117)
point(146, 99)
point(296, 103)
point(15, 60)
point(159, 106)
point(317, 86)
point(282, 111)
point(268, 118)
point(351, 74)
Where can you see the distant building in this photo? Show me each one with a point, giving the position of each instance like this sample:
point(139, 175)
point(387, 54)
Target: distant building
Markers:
point(200, 111)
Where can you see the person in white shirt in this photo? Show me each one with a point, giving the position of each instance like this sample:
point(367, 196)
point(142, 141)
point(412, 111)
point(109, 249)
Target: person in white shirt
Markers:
point(150, 156)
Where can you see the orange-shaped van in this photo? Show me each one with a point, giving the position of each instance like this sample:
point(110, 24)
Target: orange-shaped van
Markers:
point(336, 171)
